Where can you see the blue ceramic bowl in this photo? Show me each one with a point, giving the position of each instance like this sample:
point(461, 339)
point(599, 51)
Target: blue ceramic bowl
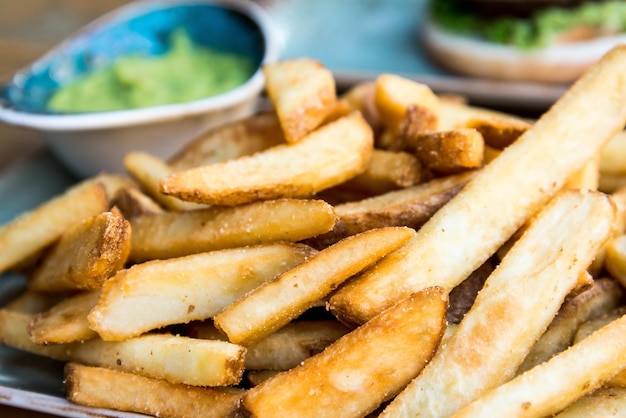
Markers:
point(92, 142)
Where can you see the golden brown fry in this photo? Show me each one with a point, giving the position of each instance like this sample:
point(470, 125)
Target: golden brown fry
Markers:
point(227, 142)
point(605, 402)
point(516, 304)
point(276, 303)
point(449, 152)
point(361, 97)
point(410, 207)
point(103, 388)
point(85, 256)
point(147, 170)
point(303, 93)
point(394, 94)
point(387, 171)
point(358, 372)
point(455, 113)
point(604, 296)
point(551, 386)
point(34, 230)
point(65, 322)
point(132, 202)
point(328, 156)
point(179, 290)
point(178, 234)
point(161, 356)
point(476, 222)
point(285, 348)
point(498, 131)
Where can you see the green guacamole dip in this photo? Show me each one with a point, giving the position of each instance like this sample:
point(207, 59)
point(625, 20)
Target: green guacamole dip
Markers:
point(186, 72)
point(535, 32)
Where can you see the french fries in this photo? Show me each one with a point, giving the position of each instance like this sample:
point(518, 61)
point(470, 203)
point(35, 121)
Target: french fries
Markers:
point(470, 227)
point(411, 206)
point(66, 321)
point(236, 139)
point(274, 304)
point(603, 297)
point(86, 255)
point(285, 348)
point(147, 170)
point(303, 93)
point(105, 388)
point(176, 359)
point(449, 151)
point(358, 372)
point(565, 378)
point(164, 292)
point(301, 262)
point(33, 231)
point(176, 234)
point(328, 156)
point(517, 303)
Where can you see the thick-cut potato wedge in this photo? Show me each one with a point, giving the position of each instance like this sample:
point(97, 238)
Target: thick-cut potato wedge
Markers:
point(132, 202)
point(588, 327)
point(358, 372)
point(501, 129)
point(104, 388)
point(161, 356)
point(394, 94)
point(227, 142)
point(417, 120)
point(516, 304)
point(179, 290)
point(551, 386)
point(34, 230)
point(285, 348)
point(604, 296)
point(14, 332)
point(387, 171)
point(65, 322)
point(85, 256)
point(326, 157)
point(274, 304)
point(410, 207)
point(449, 152)
point(303, 93)
point(147, 170)
point(605, 402)
point(469, 229)
point(361, 97)
point(177, 234)
point(497, 130)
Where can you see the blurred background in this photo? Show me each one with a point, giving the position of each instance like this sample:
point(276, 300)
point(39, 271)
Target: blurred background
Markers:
point(28, 29)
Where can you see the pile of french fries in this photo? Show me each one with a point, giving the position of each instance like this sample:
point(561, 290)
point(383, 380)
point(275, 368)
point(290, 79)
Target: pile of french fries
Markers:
point(383, 252)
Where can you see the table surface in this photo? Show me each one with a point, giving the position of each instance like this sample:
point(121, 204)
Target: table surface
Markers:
point(27, 29)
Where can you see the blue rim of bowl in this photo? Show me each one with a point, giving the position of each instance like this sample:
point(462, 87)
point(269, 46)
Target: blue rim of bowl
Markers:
point(131, 117)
